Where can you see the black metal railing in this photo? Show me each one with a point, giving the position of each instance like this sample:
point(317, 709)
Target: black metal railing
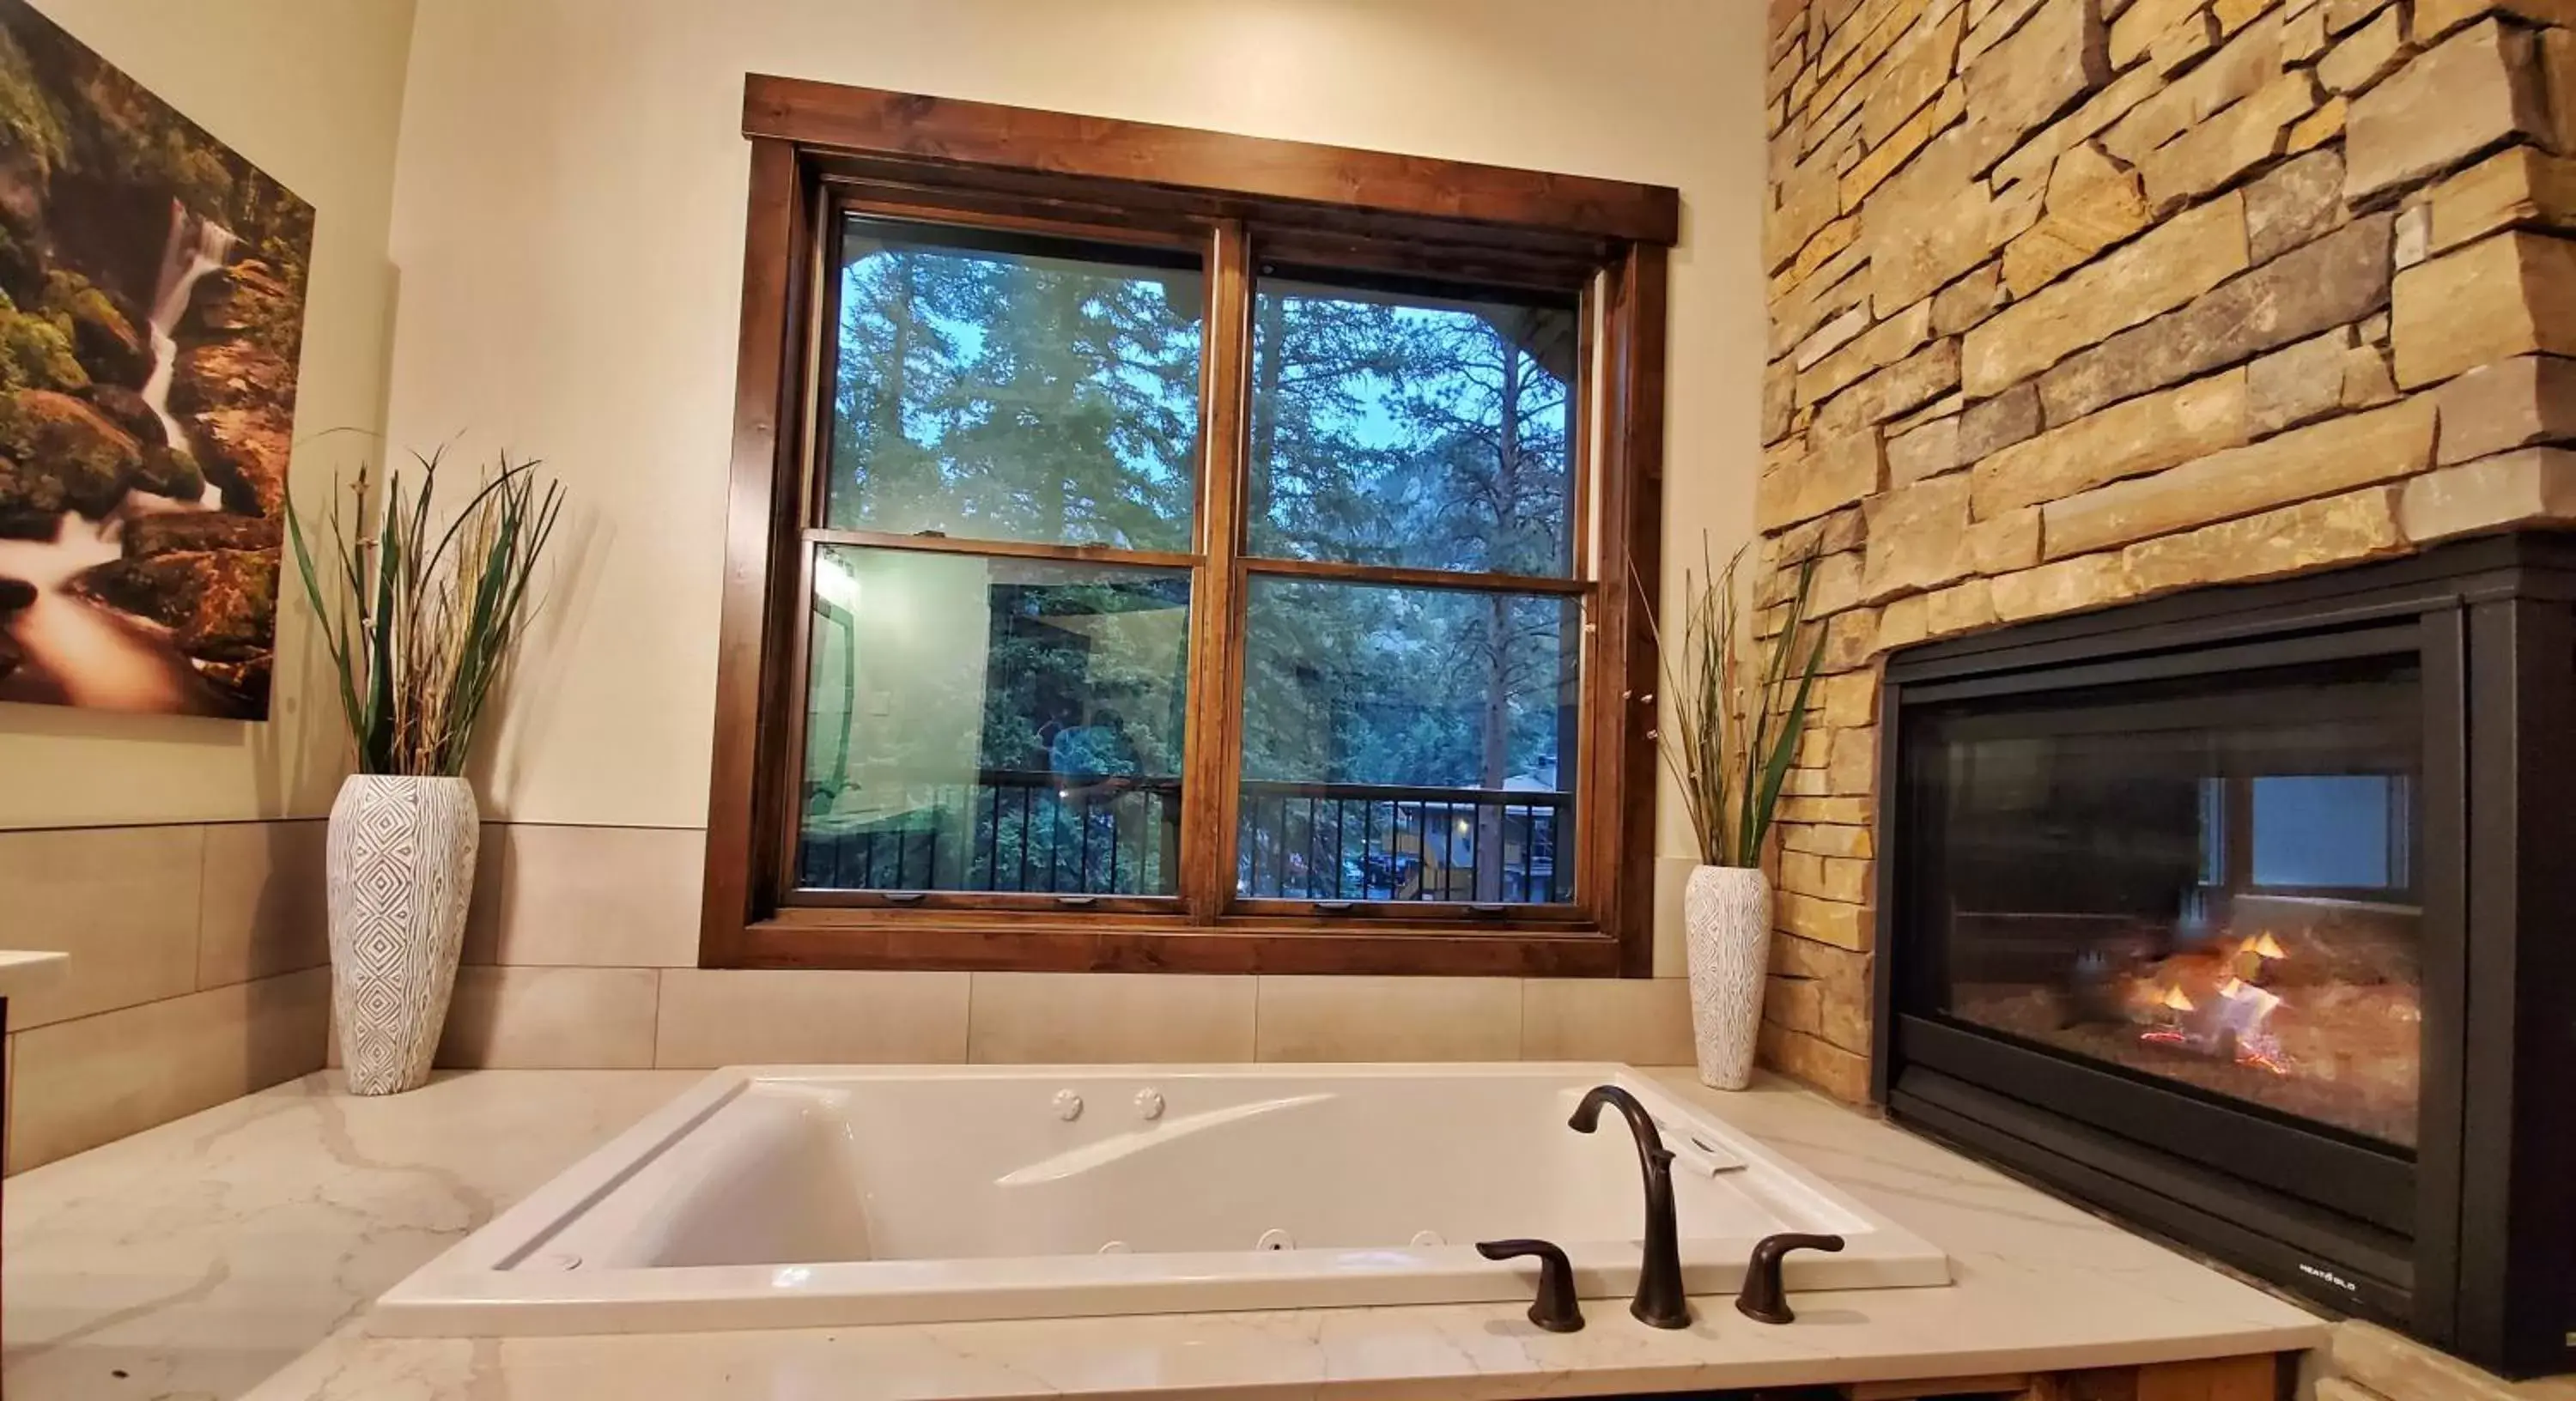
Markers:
point(1352, 841)
point(1010, 830)
point(1019, 831)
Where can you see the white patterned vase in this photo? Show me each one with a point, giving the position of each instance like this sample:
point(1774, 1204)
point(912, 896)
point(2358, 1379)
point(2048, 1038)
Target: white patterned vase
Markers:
point(401, 873)
point(1726, 914)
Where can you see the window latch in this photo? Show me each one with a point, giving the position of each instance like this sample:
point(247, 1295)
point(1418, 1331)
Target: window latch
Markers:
point(1488, 911)
point(902, 897)
point(1333, 907)
point(1077, 901)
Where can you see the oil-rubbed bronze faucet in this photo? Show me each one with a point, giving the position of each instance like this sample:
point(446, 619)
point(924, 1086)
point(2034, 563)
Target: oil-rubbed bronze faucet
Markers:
point(1555, 1308)
point(1659, 1300)
point(1764, 1299)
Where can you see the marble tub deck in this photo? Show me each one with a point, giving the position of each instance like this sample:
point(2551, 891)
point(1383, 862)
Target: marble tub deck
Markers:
point(198, 1258)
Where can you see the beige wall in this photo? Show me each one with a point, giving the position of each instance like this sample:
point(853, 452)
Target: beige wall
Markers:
point(567, 226)
point(196, 974)
point(569, 223)
point(311, 92)
point(196, 932)
point(582, 948)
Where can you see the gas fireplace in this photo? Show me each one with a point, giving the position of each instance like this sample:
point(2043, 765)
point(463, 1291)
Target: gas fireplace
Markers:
point(2249, 915)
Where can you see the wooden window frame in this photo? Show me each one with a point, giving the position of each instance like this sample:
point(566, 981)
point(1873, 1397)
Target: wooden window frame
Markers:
point(818, 149)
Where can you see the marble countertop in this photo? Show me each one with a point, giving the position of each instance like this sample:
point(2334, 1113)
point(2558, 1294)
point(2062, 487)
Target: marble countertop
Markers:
point(25, 970)
point(198, 1257)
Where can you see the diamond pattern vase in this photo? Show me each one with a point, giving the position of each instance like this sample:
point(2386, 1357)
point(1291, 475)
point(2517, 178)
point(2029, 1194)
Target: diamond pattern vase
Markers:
point(401, 870)
point(1726, 917)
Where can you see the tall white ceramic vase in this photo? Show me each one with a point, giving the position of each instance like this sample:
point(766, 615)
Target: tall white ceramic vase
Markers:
point(401, 873)
point(1726, 914)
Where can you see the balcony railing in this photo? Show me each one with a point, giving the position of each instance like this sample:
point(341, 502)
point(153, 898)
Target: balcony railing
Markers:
point(1041, 833)
point(1351, 841)
point(1010, 830)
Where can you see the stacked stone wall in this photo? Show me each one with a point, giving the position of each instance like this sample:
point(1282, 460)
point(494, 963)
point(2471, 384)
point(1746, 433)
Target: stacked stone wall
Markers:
point(2075, 302)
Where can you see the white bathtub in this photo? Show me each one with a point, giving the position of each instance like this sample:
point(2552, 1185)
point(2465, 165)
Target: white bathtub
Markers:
point(788, 1197)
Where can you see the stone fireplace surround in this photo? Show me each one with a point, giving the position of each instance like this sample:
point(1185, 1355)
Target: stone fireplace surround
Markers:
point(2079, 302)
point(2075, 302)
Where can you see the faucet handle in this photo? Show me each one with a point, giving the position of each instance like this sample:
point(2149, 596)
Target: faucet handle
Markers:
point(1763, 1299)
point(1555, 1309)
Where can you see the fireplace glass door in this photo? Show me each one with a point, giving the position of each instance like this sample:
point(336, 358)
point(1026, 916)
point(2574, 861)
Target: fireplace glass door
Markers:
point(2209, 883)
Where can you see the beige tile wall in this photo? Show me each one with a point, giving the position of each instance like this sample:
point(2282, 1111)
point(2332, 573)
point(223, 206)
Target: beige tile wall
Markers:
point(198, 957)
point(584, 946)
point(195, 976)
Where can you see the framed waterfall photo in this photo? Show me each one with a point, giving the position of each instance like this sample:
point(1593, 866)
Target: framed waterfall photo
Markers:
point(152, 287)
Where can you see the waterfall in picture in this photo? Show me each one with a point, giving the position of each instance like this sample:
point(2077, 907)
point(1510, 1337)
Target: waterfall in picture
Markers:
point(195, 247)
point(97, 658)
point(94, 656)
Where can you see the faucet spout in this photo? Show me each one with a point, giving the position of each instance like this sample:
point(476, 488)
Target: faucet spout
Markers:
point(1660, 1302)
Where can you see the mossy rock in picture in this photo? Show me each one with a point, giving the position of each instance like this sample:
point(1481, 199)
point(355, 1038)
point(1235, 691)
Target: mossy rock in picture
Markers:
point(249, 302)
point(216, 603)
point(170, 472)
point(185, 532)
point(103, 334)
point(127, 410)
point(90, 461)
point(36, 352)
point(30, 502)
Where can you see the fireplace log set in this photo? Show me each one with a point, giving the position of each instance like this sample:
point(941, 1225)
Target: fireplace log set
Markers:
point(2320, 1019)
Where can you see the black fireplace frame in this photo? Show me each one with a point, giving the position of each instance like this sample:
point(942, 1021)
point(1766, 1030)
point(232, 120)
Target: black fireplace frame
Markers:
point(2469, 1242)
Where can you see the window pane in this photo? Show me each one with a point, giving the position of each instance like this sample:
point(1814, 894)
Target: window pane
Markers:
point(1006, 388)
point(993, 724)
point(1411, 430)
point(1408, 744)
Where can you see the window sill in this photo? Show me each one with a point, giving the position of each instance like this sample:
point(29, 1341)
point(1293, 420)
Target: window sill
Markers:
point(847, 939)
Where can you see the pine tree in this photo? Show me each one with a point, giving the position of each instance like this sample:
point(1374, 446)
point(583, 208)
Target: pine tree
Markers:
point(1032, 398)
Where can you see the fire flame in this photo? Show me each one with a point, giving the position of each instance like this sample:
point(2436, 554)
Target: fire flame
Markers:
point(2235, 1021)
point(2253, 956)
point(2262, 1056)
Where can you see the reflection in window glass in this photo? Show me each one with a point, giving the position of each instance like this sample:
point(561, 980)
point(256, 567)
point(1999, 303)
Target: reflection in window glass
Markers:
point(1408, 744)
point(1004, 388)
point(2328, 831)
point(1400, 429)
point(993, 724)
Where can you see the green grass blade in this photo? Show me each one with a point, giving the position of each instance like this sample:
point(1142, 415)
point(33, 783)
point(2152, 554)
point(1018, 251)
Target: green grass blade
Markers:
point(1775, 772)
point(378, 747)
point(334, 634)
